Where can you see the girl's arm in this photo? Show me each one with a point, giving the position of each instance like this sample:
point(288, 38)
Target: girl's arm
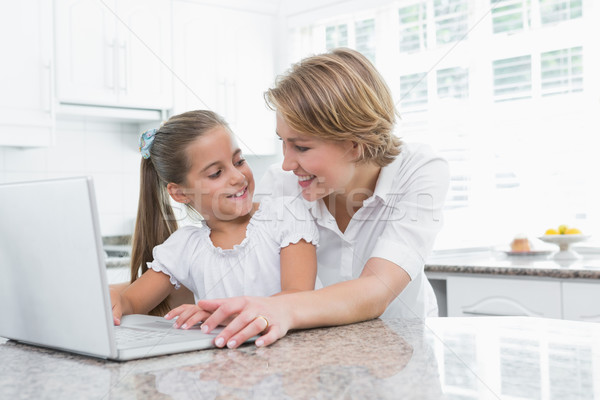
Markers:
point(141, 296)
point(355, 300)
point(298, 267)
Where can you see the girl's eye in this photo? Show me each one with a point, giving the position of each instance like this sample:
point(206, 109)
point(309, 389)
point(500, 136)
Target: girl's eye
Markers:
point(240, 162)
point(215, 175)
point(302, 149)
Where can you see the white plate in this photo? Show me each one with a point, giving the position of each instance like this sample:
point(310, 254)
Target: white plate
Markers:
point(528, 253)
point(564, 239)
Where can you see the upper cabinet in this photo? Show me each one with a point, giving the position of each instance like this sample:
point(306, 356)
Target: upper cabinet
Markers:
point(114, 53)
point(26, 95)
point(223, 60)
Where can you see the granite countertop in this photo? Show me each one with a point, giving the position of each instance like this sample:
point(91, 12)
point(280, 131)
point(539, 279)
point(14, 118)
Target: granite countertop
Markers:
point(468, 358)
point(497, 262)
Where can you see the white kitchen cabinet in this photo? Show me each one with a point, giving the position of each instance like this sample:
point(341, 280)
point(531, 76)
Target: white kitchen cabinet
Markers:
point(581, 301)
point(26, 95)
point(473, 296)
point(224, 61)
point(114, 53)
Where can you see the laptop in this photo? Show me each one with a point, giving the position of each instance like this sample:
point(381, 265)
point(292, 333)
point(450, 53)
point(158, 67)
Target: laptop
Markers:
point(53, 285)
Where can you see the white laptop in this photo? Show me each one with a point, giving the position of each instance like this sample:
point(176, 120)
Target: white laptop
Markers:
point(53, 286)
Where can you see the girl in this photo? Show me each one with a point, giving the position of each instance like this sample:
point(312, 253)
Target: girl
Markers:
point(240, 248)
point(377, 202)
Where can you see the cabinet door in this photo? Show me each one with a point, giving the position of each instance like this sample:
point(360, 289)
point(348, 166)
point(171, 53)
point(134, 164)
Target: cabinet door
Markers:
point(144, 54)
point(26, 98)
point(581, 301)
point(86, 51)
point(473, 296)
point(223, 61)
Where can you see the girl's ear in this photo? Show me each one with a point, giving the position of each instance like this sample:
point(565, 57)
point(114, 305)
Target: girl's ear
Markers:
point(177, 193)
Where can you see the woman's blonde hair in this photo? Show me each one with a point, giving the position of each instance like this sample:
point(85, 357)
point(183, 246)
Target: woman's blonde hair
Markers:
point(339, 96)
point(168, 162)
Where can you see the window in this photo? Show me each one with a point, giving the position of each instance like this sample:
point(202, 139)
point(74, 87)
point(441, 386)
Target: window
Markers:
point(453, 82)
point(562, 71)
point(413, 89)
point(510, 15)
point(336, 36)
point(413, 27)
point(365, 38)
point(451, 20)
point(506, 91)
point(553, 11)
point(512, 78)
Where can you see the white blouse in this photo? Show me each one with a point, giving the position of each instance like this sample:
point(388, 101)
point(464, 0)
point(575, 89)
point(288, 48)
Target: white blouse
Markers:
point(398, 223)
point(251, 268)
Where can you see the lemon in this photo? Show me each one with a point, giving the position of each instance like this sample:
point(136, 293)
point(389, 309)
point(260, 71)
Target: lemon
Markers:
point(551, 232)
point(562, 229)
point(572, 231)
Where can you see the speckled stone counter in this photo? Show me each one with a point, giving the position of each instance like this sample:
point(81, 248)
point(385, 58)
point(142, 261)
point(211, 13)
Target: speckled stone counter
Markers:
point(494, 262)
point(467, 358)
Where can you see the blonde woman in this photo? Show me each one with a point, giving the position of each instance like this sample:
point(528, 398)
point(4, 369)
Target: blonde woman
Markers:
point(377, 203)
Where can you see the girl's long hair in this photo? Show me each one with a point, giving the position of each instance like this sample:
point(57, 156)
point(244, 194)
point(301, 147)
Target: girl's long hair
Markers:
point(168, 162)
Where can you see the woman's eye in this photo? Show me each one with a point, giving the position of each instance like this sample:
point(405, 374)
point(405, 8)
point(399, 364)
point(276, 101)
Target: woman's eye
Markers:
point(215, 175)
point(302, 149)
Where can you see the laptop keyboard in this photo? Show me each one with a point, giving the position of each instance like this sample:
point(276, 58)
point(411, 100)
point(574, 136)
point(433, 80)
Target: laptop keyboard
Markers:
point(125, 336)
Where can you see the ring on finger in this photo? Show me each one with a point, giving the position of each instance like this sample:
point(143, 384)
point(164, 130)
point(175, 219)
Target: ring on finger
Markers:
point(265, 319)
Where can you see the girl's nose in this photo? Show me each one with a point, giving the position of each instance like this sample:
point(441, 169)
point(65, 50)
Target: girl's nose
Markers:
point(237, 177)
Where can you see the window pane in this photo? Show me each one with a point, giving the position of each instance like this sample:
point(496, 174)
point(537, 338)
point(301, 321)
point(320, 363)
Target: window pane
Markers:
point(365, 38)
point(413, 27)
point(453, 82)
point(562, 71)
point(413, 92)
point(451, 20)
point(336, 36)
point(510, 15)
point(512, 78)
point(559, 10)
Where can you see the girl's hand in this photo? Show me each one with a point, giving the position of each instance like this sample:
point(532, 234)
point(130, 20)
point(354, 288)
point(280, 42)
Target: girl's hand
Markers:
point(253, 316)
point(117, 309)
point(187, 315)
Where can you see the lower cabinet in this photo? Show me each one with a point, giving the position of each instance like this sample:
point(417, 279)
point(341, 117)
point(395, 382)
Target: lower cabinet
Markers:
point(468, 296)
point(581, 301)
point(471, 296)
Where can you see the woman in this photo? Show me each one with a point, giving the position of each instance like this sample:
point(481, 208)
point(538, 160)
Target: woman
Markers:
point(377, 203)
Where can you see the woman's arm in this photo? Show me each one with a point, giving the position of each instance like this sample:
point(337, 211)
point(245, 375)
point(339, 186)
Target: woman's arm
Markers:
point(359, 299)
point(298, 267)
point(141, 296)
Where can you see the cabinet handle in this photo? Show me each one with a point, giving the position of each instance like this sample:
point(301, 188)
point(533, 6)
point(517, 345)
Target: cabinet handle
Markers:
point(110, 65)
point(49, 108)
point(487, 314)
point(123, 70)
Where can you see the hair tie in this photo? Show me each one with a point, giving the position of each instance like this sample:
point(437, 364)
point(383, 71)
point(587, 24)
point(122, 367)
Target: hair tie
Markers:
point(146, 140)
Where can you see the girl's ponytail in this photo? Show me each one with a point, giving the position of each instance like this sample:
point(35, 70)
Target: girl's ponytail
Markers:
point(154, 224)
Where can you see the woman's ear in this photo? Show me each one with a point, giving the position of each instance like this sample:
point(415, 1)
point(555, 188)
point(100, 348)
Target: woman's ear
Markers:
point(177, 193)
point(357, 151)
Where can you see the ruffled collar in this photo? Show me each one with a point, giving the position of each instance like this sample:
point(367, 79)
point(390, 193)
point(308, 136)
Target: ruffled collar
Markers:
point(237, 248)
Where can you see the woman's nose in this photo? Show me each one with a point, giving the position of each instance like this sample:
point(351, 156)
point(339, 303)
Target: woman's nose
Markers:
point(289, 161)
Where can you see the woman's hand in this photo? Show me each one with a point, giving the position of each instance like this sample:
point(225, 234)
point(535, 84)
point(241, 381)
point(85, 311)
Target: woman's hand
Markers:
point(253, 316)
point(187, 315)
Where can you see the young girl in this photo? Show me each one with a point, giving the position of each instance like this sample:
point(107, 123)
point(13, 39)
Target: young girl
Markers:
point(377, 202)
point(240, 248)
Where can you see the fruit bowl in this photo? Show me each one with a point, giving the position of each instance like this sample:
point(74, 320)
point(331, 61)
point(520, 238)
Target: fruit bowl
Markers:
point(564, 243)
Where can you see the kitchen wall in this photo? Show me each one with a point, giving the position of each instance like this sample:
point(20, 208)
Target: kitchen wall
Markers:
point(108, 151)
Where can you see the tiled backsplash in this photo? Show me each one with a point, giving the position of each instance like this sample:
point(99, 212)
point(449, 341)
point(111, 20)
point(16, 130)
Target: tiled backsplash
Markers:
point(107, 151)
